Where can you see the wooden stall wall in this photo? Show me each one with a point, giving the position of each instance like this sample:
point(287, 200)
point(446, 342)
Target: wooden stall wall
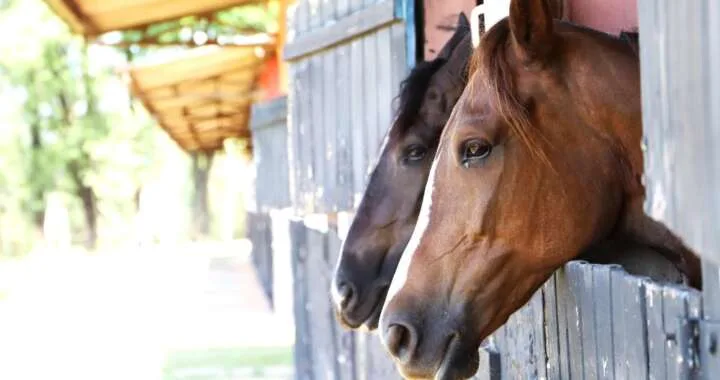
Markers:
point(346, 60)
point(680, 57)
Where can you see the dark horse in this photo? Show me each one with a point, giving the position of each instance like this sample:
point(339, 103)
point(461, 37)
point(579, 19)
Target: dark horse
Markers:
point(388, 211)
point(540, 160)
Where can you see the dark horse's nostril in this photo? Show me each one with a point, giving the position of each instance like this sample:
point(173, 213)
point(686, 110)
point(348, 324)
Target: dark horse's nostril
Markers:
point(345, 293)
point(399, 340)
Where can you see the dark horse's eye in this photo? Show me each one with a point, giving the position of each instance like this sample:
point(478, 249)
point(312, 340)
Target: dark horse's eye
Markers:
point(414, 153)
point(474, 151)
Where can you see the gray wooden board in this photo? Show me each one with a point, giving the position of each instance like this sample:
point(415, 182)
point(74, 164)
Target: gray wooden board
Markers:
point(618, 321)
point(655, 331)
point(344, 339)
point(573, 271)
point(344, 184)
point(305, 134)
point(538, 334)
point(604, 331)
point(562, 291)
point(315, 14)
point(370, 95)
point(353, 26)
point(358, 110)
point(356, 5)
point(399, 64)
point(328, 12)
point(322, 322)
point(302, 351)
point(343, 9)
point(293, 135)
point(635, 328)
point(552, 345)
point(329, 147)
point(675, 309)
point(384, 83)
point(677, 72)
point(587, 315)
point(318, 141)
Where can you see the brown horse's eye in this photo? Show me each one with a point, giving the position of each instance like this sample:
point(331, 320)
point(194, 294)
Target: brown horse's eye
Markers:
point(414, 153)
point(475, 151)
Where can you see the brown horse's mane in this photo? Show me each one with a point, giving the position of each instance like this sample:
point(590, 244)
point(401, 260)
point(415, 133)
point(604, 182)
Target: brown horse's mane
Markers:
point(412, 92)
point(491, 62)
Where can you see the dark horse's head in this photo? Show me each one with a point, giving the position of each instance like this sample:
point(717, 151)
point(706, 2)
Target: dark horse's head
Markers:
point(540, 160)
point(389, 208)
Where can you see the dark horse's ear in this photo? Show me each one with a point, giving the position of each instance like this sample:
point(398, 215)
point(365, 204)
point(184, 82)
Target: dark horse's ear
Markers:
point(463, 21)
point(462, 28)
point(531, 25)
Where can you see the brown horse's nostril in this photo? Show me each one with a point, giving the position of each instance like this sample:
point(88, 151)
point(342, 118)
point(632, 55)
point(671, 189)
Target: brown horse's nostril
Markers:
point(399, 341)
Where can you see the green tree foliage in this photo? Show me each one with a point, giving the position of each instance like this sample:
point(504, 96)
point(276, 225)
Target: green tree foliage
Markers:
point(74, 129)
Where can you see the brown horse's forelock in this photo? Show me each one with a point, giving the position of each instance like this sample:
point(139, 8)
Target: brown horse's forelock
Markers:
point(412, 93)
point(490, 62)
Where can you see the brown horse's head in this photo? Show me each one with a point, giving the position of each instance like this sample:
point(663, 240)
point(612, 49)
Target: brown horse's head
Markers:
point(540, 160)
point(389, 208)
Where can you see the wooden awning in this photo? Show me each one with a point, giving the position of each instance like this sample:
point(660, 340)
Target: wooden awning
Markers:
point(204, 97)
point(95, 17)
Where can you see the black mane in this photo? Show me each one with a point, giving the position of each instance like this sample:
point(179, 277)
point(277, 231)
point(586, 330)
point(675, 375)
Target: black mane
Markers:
point(412, 92)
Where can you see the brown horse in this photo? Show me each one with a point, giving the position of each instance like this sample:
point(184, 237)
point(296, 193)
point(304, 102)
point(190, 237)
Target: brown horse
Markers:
point(540, 160)
point(388, 211)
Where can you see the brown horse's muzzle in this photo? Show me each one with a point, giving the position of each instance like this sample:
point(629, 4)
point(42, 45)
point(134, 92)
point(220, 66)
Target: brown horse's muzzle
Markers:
point(429, 342)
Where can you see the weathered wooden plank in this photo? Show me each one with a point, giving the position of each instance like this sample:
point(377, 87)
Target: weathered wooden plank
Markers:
point(384, 83)
point(675, 309)
point(303, 346)
point(361, 22)
point(587, 315)
point(552, 345)
point(562, 291)
point(635, 328)
point(329, 13)
point(294, 119)
point(619, 312)
point(537, 344)
point(573, 270)
point(322, 322)
point(302, 15)
point(356, 5)
point(315, 14)
point(343, 9)
point(676, 73)
point(306, 136)
point(344, 339)
point(655, 330)
point(358, 110)
point(370, 78)
point(398, 62)
point(604, 329)
point(330, 126)
point(344, 176)
point(318, 142)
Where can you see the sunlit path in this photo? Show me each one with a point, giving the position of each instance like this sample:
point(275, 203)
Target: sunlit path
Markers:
point(119, 315)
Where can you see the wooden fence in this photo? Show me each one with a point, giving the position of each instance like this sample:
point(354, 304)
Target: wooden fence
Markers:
point(588, 321)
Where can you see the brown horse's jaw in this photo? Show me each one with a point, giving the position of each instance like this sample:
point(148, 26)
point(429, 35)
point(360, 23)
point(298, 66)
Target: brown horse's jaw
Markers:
point(457, 362)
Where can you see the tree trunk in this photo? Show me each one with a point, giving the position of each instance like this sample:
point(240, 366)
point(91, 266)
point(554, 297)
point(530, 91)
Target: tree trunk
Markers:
point(201, 164)
point(89, 201)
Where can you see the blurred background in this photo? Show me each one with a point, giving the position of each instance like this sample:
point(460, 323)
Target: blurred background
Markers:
point(125, 176)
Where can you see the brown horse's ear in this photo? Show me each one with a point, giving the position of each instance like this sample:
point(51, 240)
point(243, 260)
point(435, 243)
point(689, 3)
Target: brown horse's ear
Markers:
point(531, 25)
point(461, 29)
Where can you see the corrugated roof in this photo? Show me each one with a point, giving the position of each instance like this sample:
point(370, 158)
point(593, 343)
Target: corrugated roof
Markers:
point(94, 17)
point(202, 98)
